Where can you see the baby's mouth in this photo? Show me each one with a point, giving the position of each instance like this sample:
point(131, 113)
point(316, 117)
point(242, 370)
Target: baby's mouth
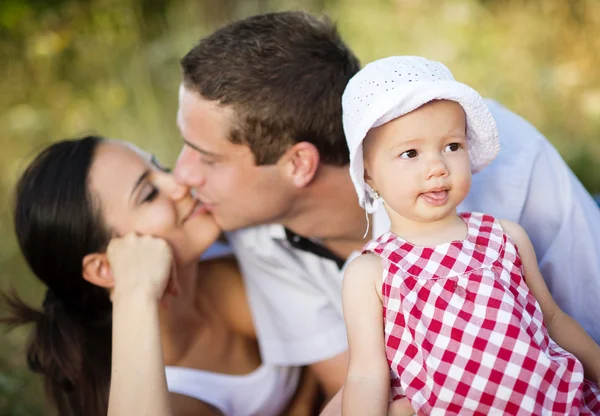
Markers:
point(436, 196)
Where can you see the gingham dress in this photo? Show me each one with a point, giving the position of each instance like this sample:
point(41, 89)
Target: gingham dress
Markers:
point(464, 335)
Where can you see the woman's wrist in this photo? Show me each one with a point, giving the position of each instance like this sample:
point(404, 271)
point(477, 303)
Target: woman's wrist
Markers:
point(133, 299)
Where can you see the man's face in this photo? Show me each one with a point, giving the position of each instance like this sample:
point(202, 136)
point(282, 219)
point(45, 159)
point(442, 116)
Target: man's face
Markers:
point(224, 175)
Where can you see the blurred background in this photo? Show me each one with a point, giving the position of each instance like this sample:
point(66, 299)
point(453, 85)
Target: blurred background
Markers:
point(72, 67)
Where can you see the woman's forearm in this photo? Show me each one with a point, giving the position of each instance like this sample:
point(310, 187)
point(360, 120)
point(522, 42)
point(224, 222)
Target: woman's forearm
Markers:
point(138, 383)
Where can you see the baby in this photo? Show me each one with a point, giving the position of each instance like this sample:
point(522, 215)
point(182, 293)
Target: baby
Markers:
point(448, 309)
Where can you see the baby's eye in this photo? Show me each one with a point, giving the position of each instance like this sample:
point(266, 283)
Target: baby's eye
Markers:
point(409, 154)
point(452, 147)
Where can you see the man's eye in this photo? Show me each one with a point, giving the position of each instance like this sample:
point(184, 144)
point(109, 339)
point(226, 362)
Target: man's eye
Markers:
point(452, 147)
point(409, 154)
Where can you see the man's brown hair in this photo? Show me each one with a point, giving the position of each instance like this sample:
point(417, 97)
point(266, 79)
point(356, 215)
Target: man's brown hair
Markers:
point(283, 74)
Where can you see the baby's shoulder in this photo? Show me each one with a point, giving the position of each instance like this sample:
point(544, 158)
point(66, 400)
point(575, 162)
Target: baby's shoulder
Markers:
point(362, 274)
point(366, 264)
point(513, 230)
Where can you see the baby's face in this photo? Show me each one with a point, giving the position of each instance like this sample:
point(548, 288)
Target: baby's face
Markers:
point(419, 162)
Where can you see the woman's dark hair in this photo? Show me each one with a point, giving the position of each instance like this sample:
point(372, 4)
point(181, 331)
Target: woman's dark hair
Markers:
point(57, 223)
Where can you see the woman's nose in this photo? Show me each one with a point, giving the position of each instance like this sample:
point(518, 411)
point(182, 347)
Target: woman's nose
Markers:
point(179, 191)
point(171, 187)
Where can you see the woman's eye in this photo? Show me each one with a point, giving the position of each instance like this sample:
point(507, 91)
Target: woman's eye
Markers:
point(409, 154)
point(151, 195)
point(452, 147)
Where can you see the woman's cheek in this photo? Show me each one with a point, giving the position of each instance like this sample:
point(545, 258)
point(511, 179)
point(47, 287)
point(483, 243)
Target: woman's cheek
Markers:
point(159, 222)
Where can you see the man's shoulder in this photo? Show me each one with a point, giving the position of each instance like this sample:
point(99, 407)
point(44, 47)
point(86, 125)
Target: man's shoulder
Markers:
point(503, 187)
point(263, 243)
point(252, 231)
point(514, 130)
point(256, 238)
point(521, 144)
point(269, 248)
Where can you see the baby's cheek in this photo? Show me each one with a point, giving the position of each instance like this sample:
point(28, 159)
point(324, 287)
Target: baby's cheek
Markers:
point(465, 180)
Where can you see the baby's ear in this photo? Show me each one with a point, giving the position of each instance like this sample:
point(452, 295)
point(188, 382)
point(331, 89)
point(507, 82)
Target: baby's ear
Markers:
point(367, 177)
point(97, 271)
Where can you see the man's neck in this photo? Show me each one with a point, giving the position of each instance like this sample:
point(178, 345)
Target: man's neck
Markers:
point(328, 209)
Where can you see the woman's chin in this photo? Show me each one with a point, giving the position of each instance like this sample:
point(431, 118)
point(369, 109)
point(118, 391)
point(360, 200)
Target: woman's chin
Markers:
point(201, 246)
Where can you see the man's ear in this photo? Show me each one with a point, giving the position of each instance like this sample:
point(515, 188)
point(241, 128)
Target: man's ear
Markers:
point(97, 271)
point(301, 163)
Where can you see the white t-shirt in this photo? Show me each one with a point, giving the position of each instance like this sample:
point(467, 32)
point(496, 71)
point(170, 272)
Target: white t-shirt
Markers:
point(295, 295)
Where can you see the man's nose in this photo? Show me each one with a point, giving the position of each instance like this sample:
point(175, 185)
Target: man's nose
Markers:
point(188, 169)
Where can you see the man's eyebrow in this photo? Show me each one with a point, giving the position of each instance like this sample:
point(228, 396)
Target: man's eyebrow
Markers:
point(197, 149)
point(139, 181)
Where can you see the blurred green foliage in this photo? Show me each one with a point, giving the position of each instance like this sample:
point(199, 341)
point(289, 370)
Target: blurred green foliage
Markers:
point(71, 67)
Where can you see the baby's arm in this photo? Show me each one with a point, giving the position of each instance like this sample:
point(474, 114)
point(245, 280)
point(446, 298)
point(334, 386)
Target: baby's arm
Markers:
point(366, 391)
point(563, 329)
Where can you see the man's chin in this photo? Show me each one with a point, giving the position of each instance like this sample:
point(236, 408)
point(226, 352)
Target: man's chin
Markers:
point(229, 224)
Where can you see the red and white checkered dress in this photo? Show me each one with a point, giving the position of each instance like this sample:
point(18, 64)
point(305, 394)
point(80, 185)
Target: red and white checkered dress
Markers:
point(464, 335)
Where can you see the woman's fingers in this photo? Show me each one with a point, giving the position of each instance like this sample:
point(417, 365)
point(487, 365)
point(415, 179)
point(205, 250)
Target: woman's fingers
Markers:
point(141, 264)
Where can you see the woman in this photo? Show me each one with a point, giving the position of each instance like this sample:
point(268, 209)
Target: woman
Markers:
point(73, 199)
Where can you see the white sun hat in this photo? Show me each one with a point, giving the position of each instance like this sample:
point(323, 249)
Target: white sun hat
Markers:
point(391, 87)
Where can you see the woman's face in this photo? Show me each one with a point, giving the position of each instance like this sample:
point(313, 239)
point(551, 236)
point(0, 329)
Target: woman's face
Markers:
point(136, 195)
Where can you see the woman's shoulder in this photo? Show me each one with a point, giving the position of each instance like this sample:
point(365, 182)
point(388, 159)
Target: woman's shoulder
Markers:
point(221, 275)
point(222, 280)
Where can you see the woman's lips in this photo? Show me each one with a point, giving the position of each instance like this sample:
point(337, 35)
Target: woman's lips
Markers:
point(197, 209)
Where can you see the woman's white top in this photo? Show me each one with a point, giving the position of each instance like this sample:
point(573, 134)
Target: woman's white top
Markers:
point(266, 391)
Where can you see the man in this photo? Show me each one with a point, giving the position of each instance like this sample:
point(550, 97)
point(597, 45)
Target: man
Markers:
point(260, 116)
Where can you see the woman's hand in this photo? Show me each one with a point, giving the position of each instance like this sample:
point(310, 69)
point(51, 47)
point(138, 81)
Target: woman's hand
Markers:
point(141, 265)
